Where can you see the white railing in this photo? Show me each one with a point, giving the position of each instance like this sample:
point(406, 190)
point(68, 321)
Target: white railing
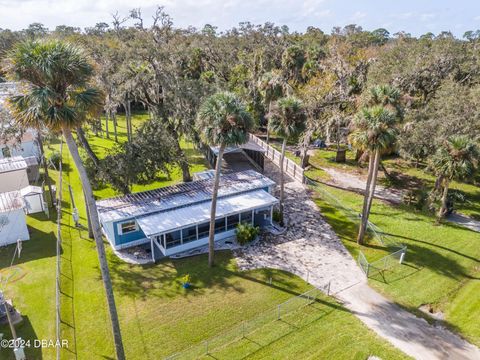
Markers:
point(292, 169)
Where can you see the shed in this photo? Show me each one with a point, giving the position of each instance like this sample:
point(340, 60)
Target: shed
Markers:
point(13, 174)
point(13, 224)
point(33, 199)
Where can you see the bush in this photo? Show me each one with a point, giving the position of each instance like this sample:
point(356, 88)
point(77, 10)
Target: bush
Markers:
point(55, 158)
point(276, 216)
point(246, 233)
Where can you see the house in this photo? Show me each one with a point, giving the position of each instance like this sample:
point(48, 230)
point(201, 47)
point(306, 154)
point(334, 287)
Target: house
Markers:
point(27, 145)
point(13, 174)
point(13, 223)
point(176, 218)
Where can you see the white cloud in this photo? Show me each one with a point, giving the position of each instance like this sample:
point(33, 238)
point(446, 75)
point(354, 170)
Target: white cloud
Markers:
point(359, 15)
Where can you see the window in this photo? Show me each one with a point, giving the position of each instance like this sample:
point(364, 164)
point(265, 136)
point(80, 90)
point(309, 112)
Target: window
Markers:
point(189, 234)
point(232, 221)
point(173, 239)
point(203, 230)
point(219, 225)
point(6, 152)
point(128, 227)
point(246, 217)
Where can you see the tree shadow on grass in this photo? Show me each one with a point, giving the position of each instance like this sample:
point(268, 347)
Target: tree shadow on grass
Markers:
point(25, 331)
point(163, 279)
point(41, 245)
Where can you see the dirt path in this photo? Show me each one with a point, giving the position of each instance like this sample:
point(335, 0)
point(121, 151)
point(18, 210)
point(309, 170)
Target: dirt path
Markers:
point(355, 183)
point(312, 250)
point(464, 220)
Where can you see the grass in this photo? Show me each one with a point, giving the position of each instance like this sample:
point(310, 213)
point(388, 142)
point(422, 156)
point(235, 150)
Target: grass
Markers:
point(157, 315)
point(442, 262)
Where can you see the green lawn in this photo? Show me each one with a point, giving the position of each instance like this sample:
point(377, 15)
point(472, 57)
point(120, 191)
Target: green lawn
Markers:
point(157, 315)
point(442, 265)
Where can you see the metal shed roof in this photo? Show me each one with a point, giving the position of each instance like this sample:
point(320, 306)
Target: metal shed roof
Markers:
point(185, 194)
point(10, 201)
point(12, 164)
point(30, 189)
point(199, 213)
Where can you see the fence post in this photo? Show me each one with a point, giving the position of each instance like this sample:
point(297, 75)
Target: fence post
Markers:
point(402, 255)
point(278, 312)
point(368, 268)
point(308, 275)
point(328, 289)
point(206, 347)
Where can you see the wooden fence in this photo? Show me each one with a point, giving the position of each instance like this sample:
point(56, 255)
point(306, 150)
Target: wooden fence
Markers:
point(292, 169)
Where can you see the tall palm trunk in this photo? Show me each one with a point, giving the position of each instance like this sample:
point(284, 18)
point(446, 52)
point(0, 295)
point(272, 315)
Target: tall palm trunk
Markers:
point(213, 210)
point(92, 210)
point(128, 119)
point(305, 144)
point(374, 182)
point(268, 129)
point(114, 118)
point(45, 168)
point(443, 208)
point(107, 115)
point(368, 196)
point(85, 144)
point(282, 178)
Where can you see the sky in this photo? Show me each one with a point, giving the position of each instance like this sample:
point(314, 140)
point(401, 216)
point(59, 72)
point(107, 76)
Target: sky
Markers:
point(413, 16)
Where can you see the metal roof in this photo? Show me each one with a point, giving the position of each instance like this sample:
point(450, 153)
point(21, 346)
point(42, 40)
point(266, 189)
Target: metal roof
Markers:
point(30, 189)
point(199, 213)
point(12, 164)
point(184, 194)
point(11, 200)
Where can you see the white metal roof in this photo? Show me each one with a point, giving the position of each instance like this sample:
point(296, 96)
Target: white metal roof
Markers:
point(12, 164)
point(200, 213)
point(11, 200)
point(30, 189)
point(184, 194)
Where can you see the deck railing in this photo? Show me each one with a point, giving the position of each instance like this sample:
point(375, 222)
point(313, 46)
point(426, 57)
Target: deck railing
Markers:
point(291, 168)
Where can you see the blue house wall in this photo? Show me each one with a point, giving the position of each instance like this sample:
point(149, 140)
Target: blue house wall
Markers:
point(126, 238)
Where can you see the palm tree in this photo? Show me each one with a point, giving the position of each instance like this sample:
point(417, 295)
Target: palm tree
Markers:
point(375, 132)
point(222, 121)
point(456, 159)
point(273, 85)
point(288, 120)
point(56, 76)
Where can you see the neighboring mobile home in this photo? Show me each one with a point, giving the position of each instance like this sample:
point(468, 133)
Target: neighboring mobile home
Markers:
point(13, 174)
point(13, 223)
point(176, 218)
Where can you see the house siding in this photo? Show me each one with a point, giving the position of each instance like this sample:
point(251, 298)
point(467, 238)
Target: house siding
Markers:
point(121, 239)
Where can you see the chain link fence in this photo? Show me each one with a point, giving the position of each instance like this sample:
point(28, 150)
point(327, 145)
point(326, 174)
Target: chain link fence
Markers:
point(247, 335)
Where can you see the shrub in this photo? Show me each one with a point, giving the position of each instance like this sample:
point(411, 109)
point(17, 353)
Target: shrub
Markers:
point(276, 216)
point(55, 158)
point(246, 233)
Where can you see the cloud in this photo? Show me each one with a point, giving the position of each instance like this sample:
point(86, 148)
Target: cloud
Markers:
point(359, 15)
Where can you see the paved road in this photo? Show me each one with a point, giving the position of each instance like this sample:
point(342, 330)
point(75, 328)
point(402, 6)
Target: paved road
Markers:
point(310, 249)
